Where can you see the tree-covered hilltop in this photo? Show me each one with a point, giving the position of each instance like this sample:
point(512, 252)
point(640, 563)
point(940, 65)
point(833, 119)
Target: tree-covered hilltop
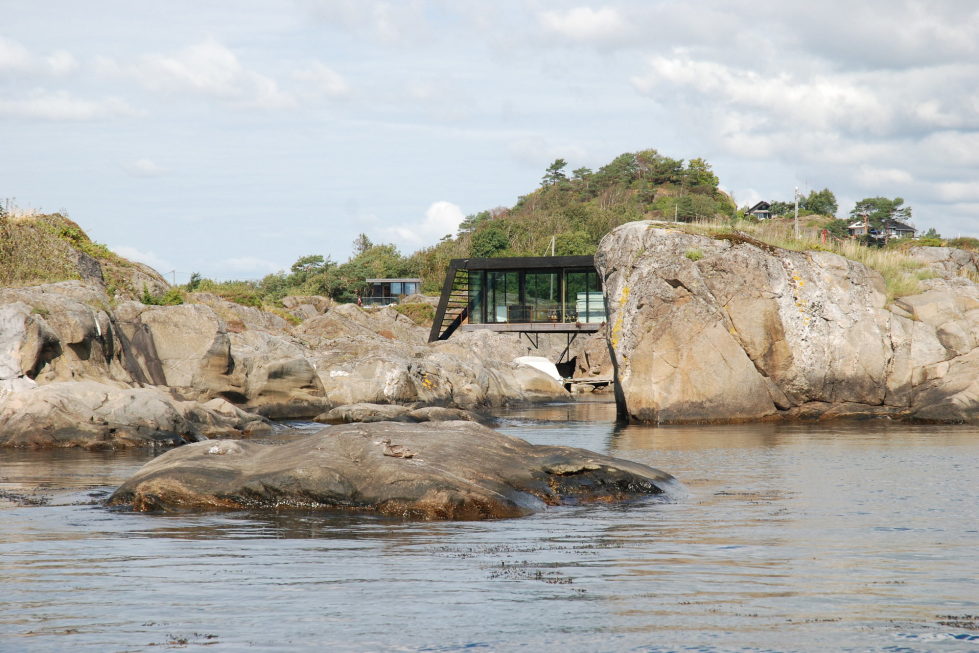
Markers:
point(571, 211)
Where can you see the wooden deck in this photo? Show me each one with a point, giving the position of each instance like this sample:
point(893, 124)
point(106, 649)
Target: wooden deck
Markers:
point(535, 327)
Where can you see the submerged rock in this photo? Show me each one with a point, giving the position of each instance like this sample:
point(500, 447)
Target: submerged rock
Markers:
point(452, 470)
point(365, 413)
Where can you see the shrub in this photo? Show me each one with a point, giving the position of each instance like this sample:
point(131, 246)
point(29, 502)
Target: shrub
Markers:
point(965, 242)
point(245, 293)
point(423, 314)
point(31, 252)
point(172, 297)
point(901, 273)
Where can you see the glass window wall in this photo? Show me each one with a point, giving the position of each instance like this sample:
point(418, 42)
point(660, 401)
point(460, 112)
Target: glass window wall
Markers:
point(507, 296)
point(503, 297)
point(542, 295)
point(583, 296)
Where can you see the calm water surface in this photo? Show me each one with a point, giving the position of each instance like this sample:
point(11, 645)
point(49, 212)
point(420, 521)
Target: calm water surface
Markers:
point(856, 537)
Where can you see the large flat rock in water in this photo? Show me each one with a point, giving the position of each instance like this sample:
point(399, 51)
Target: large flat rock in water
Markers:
point(452, 470)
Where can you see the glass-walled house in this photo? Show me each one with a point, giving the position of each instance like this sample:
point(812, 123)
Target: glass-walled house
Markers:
point(389, 291)
point(538, 295)
point(558, 294)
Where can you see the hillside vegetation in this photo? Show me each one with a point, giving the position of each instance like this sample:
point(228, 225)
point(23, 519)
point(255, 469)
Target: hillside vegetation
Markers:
point(570, 213)
point(46, 248)
point(902, 274)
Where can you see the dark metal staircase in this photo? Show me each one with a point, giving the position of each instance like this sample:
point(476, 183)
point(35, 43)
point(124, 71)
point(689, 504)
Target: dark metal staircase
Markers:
point(453, 308)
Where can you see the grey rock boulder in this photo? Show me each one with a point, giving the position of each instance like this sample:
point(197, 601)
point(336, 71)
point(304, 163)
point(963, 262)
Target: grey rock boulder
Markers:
point(365, 413)
point(948, 262)
point(746, 331)
point(93, 415)
point(237, 317)
point(452, 470)
point(393, 413)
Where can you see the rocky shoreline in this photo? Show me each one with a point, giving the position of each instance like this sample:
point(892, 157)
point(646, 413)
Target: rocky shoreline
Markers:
point(741, 331)
point(701, 329)
point(78, 368)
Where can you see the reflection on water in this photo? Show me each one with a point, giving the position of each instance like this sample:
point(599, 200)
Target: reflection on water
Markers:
point(793, 537)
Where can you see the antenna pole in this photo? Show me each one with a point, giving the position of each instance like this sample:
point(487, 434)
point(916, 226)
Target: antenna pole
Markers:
point(796, 221)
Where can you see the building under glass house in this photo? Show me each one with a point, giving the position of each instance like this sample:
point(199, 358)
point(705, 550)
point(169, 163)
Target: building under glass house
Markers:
point(530, 295)
point(389, 291)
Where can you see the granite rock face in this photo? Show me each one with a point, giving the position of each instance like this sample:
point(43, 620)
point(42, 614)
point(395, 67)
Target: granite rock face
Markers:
point(452, 470)
point(706, 329)
point(93, 415)
point(214, 349)
point(948, 262)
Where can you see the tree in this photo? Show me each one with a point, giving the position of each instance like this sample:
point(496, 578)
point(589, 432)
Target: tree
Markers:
point(361, 244)
point(554, 173)
point(621, 170)
point(194, 282)
point(574, 243)
point(822, 202)
point(838, 228)
point(879, 209)
point(699, 177)
point(473, 220)
point(779, 208)
point(932, 233)
point(307, 265)
point(490, 240)
point(580, 174)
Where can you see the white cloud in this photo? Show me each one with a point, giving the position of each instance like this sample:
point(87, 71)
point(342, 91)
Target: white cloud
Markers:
point(959, 191)
point(145, 168)
point(208, 69)
point(539, 151)
point(841, 101)
point(441, 218)
point(586, 25)
point(871, 177)
point(14, 56)
point(388, 22)
point(321, 79)
point(62, 106)
point(61, 62)
point(150, 258)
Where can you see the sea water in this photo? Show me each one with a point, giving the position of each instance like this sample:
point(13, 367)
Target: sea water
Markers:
point(860, 536)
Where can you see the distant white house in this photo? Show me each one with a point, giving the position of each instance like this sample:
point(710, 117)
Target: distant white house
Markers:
point(889, 229)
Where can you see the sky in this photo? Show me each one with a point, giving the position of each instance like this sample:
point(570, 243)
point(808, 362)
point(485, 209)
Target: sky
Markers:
point(231, 137)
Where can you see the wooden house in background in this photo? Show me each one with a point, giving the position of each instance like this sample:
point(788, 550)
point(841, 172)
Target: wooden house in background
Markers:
point(761, 211)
